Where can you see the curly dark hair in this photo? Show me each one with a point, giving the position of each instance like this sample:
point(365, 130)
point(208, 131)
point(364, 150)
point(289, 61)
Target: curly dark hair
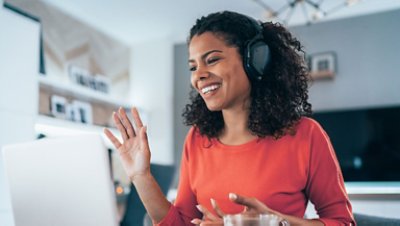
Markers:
point(279, 100)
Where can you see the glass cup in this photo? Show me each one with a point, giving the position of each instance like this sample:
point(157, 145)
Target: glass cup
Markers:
point(254, 220)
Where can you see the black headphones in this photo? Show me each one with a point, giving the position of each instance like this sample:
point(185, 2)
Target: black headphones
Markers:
point(256, 56)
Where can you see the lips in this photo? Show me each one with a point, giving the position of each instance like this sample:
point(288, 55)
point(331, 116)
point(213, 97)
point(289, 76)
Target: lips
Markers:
point(209, 87)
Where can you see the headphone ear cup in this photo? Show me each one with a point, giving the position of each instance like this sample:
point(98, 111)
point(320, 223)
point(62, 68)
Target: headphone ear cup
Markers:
point(256, 58)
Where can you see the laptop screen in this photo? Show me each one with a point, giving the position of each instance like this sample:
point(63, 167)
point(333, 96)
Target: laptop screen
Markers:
point(61, 181)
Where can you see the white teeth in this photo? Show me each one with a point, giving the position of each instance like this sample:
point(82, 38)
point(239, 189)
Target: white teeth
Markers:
point(209, 88)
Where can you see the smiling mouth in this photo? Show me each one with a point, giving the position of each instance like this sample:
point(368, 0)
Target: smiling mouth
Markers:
point(210, 88)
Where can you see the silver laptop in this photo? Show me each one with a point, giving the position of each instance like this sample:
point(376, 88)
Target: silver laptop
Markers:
point(61, 181)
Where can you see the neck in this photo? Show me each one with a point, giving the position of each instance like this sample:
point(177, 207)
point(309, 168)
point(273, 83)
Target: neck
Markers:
point(235, 128)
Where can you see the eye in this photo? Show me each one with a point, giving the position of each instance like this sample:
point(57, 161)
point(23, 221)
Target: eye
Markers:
point(212, 60)
point(192, 68)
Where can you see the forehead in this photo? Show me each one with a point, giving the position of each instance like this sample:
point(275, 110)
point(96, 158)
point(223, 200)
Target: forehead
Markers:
point(206, 42)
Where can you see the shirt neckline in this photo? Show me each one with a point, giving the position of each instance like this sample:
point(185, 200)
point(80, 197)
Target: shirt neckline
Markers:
point(238, 147)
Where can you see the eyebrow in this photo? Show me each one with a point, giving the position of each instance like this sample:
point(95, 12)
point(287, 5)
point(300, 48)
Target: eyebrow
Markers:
point(206, 54)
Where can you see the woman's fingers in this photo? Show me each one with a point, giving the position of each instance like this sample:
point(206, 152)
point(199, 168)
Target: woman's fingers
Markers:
point(136, 118)
point(112, 138)
point(196, 221)
point(245, 201)
point(143, 136)
point(199, 222)
point(242, 200)
point(207, 214)
point(217, 209)
point(126, 122)
point(120, 126)
point(251, 204)
point(211, 223)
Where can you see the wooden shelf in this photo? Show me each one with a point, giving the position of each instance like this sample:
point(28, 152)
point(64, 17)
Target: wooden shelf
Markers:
point(54, 127)
point(80, 92)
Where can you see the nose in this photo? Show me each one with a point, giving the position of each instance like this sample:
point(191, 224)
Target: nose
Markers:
point(201, 73)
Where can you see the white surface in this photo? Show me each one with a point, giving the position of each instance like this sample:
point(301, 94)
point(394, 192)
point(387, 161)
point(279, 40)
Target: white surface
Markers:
point(372, 188)
point(63, 181)
point(155, 19)
point(372, 198)
point(383, 207)
point(152, 90)
point(53, 127)
point(19, 57)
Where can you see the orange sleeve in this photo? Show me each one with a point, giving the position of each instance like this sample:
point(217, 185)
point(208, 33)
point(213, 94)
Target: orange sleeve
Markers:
point(184, 209)
point(325, 186)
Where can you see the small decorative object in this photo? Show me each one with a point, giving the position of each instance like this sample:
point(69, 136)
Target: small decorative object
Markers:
point(82, 77)
point(72, 113)
point(102, 83)
point(57, 106)
point(82, 112)
point(76, 74)
point(322, 65)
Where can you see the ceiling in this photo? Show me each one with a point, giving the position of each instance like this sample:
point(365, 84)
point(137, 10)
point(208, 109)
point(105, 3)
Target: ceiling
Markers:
point(133, 21)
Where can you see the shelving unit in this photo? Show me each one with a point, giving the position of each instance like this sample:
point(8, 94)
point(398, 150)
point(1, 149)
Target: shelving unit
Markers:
point(79, 92)
point(53, 127)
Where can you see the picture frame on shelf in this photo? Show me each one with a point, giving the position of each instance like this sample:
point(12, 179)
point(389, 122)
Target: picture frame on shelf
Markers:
point(74, 73)
point(58, 106)
point(322, 65)
point(82, 77)
point(83, 112)
point(72, 113)
point(102, 83)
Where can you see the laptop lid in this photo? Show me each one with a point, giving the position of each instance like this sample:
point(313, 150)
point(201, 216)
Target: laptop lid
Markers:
point(61, 181)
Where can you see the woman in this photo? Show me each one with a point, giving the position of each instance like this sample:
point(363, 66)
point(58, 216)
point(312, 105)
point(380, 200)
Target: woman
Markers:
point(251, 147)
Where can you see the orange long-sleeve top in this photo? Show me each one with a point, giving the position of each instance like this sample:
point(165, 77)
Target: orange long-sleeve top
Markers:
point(284, 174)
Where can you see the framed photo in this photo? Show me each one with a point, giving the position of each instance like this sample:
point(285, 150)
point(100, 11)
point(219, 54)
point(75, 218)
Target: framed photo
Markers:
point(80, 76)
point(72, 113)
point(83, 77)
point(102, 83)
point(58, 106)
point(82, 112)
point(322, 65)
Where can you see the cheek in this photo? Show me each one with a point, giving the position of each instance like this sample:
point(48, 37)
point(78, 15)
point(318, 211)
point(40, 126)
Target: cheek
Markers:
point(193, 81)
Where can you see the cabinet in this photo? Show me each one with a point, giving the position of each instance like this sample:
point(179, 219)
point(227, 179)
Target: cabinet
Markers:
point(19, 47)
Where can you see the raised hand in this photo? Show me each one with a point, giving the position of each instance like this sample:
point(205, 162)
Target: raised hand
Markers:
point(134, 149)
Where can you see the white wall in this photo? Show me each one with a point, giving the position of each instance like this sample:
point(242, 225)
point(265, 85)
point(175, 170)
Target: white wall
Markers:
point(368, 52)
point(152, 90)
point(19, 57)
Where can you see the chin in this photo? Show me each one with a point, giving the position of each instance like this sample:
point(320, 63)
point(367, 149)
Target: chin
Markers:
point(214, 107)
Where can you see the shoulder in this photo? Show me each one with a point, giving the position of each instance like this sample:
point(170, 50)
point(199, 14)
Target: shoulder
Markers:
point(309, 125)
point(193, 141)
point(314, 133)
point(193, 135)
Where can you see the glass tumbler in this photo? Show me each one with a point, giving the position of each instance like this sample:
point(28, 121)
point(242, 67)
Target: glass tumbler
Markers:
point(254, 220)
